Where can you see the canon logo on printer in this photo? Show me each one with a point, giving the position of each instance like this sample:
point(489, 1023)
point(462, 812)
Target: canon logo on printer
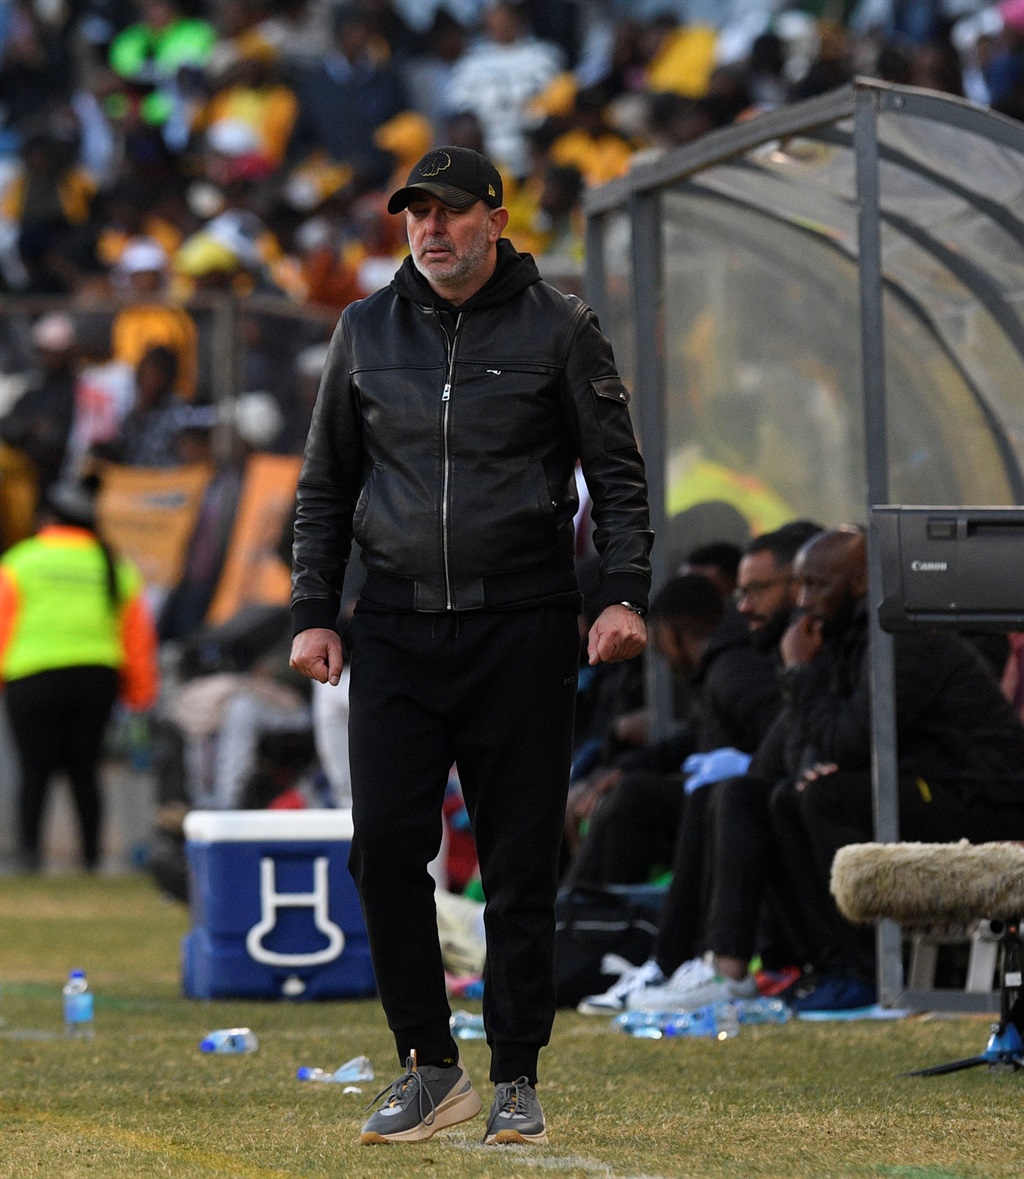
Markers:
point(929, 566)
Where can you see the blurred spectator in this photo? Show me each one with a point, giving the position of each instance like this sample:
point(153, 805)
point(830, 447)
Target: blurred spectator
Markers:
point(75, 634)
point(46, 239)
point(147, 437)
point(155, 56)
point(36, 70)
point(249, 96)
point(149, 321)
point(254, 422)
point(497, 79)
point(224, 712)
point(36, 428)
point(428, 75)
point(680, 57)
point(1004, 73)
point(558, 222)
point(346, 97)
point(126, 211)
point(718, 561)
point(300, 30)
point(234, 251)
point(589, 144)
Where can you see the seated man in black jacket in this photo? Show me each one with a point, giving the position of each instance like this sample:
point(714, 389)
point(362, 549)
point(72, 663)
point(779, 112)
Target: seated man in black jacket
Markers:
point(737, 855)
point(960, 752)
point(632, 830)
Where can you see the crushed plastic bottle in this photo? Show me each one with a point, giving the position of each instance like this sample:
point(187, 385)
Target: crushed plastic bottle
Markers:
point(229, 1040)
point(466, 1026)
point(78, 1006)
point(719, 1021)
point(358, 1068)
point(762, 1010)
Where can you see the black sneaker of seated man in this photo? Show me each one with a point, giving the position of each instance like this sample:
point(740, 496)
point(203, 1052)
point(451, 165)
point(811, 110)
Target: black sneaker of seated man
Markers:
point(422, 1101)
point(516, 1115)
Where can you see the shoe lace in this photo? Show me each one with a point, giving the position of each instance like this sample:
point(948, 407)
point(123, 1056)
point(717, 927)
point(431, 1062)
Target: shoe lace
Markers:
point(635, 979)
point(408, 1087)
point(511, 1100)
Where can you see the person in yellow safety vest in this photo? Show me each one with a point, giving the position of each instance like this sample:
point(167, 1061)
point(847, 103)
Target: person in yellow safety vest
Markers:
point(75, 633)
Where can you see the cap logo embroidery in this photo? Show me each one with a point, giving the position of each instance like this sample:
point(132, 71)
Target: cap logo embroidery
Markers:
point(438, 162)
point(490, 190)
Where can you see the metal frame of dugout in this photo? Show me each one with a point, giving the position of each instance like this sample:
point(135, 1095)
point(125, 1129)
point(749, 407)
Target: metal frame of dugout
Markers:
point(639, 194)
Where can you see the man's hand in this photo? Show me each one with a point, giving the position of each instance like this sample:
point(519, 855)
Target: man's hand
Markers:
point(802, 642)
point(317, 653)
point(617, 634)
point(821, 769)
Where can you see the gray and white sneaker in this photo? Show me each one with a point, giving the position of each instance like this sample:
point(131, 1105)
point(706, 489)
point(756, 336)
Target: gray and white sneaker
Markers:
point(616, 998)
point(694, 984)
point(516, 1115)
point(421, 1102)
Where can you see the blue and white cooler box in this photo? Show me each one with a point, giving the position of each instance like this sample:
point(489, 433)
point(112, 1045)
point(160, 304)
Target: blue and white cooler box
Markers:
point(274, 909)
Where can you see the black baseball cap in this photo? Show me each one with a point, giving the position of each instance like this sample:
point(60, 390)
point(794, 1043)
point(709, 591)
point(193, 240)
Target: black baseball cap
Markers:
point(456, 175)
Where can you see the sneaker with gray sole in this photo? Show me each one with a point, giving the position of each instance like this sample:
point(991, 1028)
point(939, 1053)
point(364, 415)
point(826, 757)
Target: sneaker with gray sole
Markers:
point(516, 1115)
point(422, 1101)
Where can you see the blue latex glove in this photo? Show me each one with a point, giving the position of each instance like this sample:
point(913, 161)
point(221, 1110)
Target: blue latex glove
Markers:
point(704, 768)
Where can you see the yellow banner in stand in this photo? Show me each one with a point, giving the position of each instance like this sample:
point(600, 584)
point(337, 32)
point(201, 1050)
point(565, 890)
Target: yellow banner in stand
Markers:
point(149, 515)
point(253, 569)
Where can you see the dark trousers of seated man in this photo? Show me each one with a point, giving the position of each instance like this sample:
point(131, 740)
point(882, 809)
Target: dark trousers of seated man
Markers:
point(632, 831)
point(494, 693)
point(814, 822)
point(647, 819)
point(751, 907)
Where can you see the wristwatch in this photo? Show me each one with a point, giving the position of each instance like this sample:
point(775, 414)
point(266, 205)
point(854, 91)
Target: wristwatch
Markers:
point(633, 608)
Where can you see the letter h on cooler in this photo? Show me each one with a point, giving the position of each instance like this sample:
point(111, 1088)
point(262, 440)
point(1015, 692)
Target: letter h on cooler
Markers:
point(271, 901)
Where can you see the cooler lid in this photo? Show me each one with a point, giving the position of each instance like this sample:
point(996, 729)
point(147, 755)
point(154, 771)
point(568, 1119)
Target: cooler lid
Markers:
point(267, 826)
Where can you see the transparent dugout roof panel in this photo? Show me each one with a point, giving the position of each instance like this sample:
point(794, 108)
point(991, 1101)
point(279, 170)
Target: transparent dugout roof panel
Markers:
point(760, 223)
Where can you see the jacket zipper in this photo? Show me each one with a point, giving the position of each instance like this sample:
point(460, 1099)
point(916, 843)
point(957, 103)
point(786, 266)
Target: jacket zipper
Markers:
point(446, 554)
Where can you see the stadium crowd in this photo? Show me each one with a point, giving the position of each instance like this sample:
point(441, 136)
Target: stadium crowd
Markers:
point(252, 140)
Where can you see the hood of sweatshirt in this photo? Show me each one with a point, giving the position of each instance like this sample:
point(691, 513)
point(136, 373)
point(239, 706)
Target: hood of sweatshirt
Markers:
point(513, 273)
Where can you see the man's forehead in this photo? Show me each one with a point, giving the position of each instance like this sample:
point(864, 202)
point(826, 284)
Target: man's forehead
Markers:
point(761, 562)
point(824, 559)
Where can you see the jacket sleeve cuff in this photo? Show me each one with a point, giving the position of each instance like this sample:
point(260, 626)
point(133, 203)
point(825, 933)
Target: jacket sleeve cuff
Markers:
point(308, 613)
point(623, 587)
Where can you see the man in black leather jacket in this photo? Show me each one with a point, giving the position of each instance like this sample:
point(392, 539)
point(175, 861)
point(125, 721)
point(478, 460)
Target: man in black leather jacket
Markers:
point(452, 409)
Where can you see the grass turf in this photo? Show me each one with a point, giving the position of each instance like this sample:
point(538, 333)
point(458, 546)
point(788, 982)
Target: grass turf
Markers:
point(141, 1100)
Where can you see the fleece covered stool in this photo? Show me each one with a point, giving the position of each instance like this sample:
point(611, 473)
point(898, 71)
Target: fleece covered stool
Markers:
point(929, 883)
point(978, 887)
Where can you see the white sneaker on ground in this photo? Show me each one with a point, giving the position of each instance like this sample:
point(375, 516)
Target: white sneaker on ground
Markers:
point(695, 984)
point(615, 999)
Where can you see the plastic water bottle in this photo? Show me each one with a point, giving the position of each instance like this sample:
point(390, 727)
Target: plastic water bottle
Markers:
point(78, 1006)
point(358, 1068)
point(466, 1026)
point(229, 1040)
point(719, 1021)
point(763, 1010)
point(644, 1025)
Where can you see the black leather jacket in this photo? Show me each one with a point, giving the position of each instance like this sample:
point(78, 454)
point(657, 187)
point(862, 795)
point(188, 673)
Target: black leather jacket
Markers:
point(445, 439)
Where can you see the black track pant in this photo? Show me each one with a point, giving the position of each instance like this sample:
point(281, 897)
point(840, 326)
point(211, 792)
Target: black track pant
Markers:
point(493, 692)
point(58, 718)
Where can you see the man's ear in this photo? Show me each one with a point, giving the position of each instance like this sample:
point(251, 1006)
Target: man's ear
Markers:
point(496, 223)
